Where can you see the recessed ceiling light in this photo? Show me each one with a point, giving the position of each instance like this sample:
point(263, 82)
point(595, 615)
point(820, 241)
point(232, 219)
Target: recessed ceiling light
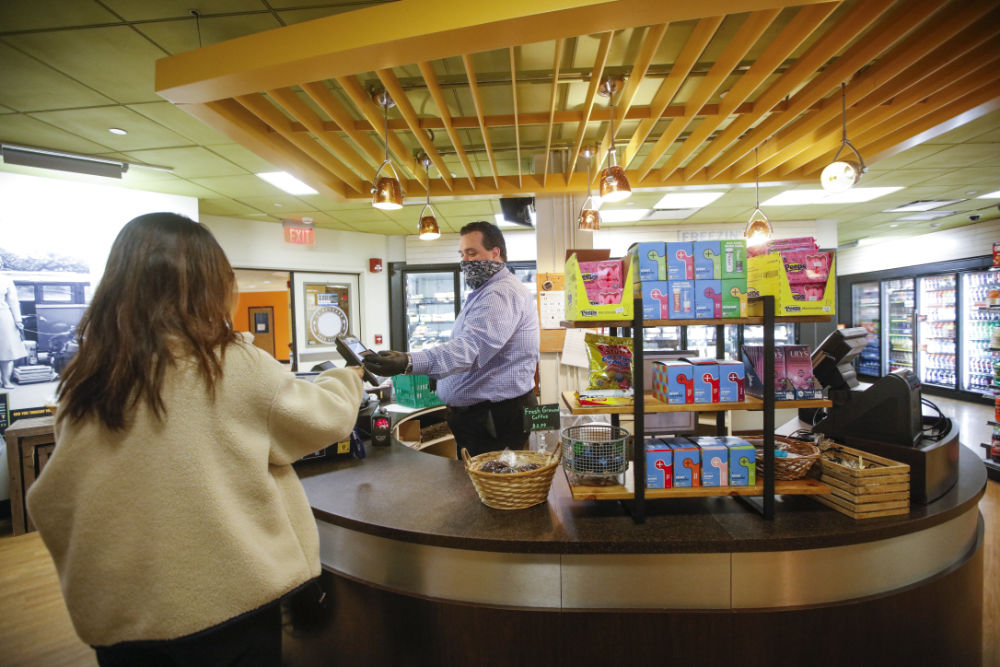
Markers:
point(687, 199)
point(928, 215)
point(894, 225)
point(804, 197)
point(287, 182)
point(267, 282)
point(923, 205)
point(990, 195)
point(278, 204)
point(117, 130)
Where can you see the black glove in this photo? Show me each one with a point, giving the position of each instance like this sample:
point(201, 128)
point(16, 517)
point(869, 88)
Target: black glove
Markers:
point(387, 362)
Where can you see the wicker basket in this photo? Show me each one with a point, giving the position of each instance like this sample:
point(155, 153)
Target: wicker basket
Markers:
point(787, 468)
point(516, 490)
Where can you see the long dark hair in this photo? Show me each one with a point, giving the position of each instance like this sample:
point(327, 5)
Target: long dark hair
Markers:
point(167, 290)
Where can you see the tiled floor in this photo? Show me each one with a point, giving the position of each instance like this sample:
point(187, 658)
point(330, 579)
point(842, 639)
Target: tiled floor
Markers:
point(971, 418)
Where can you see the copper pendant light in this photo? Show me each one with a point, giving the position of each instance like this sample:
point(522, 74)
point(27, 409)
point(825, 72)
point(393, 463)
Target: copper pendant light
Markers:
point(387, 193)
point(428, 229)
point(590, 218)
point(758, 230)
point(614, 184)
point(842, 175)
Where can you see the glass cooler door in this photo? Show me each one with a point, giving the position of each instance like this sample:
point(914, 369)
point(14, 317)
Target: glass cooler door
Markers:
point(430, 308)
point(936, 329)
point(866, 312)
point(978, 320)
point(898, 344)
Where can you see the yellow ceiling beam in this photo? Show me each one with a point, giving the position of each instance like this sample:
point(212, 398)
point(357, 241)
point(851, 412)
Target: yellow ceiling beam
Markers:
point(746, 37)
point(929, 48)
point(560, 44)
point(857, 19)
point(477, 103)
point(650, 44)
point(343, 120)
point(517, 128)
point(427, 71)
point(688, 58)
point(802, 25)
point(405, 32)
point(600, 59)
point(903, 19)
point(230, 118)
point(406, 110)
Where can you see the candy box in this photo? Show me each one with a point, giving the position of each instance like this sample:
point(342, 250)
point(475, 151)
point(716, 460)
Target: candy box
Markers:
point(602, 280)
point(734, 292)
point(734, 259)
point(650, 259)
point(799, 374)
point(659, 464)
point(708, 299)
point(714, 464)
point(706, 380)
point(656, 298)
point(681, 304)
point(680, 261)
point(732, 379)
point(579, 305)
point(707, 260)
point(687, 462)
point(742, 463)
point(804, 266)
point(673, 382)
point(767, 274)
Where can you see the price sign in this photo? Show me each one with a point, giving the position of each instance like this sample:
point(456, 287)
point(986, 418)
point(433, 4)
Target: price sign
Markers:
point(542, 417)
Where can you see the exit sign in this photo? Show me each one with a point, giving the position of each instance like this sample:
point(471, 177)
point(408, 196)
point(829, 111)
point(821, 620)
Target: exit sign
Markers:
point(300, 235)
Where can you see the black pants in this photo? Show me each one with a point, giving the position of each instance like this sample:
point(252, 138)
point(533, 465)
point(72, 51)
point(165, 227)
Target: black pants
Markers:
point(253, 640)
point(489, 427)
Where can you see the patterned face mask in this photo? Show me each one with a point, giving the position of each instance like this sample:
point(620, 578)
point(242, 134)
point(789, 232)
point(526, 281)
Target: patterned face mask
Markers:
point(478, 271)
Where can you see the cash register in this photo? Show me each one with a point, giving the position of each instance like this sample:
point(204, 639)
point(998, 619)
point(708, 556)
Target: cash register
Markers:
point(885, 417)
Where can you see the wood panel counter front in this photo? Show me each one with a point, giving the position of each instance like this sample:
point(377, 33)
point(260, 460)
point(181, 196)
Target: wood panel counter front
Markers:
point(408, 547)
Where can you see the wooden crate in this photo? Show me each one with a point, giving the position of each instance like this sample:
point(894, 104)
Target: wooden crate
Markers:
point(30, 443)
point(880, 488)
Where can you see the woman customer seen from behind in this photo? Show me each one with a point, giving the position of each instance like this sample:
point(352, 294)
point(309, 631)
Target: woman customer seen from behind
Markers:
point(170, 506)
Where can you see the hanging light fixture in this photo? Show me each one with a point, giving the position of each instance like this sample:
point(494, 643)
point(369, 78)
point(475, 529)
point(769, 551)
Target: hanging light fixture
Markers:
point(590, 217)
point(614, 184)
point(841, 175)
point(428, 228)
point(387, 194)
point(758, 230)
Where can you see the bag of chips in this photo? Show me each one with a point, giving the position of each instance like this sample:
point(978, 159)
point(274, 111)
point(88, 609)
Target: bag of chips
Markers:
point(610, 362)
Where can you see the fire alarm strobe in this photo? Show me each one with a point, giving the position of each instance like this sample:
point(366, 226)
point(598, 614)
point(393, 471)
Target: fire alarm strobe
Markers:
point(375, 265)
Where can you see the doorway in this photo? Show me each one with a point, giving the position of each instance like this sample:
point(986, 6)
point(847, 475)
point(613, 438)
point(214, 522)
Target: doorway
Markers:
point(261, 320)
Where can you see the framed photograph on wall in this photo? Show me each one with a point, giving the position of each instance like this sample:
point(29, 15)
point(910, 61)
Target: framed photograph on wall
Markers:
point(326, 305)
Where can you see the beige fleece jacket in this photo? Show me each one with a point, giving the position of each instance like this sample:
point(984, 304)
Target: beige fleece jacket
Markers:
point(171, 527)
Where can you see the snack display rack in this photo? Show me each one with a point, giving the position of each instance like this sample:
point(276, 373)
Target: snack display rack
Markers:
point(634, 494)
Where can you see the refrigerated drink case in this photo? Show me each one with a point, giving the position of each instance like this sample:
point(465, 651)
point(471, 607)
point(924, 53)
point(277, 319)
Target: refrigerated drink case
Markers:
point(937, 331)
point(898, 344)
point(978, 321)
point(867, 313)
point(430, 308)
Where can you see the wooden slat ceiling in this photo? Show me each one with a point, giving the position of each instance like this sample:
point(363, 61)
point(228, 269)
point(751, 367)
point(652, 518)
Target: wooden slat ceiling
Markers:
point(503, 98)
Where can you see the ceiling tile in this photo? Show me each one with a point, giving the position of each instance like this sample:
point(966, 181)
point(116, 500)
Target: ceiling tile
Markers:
point(240, 187)
point(280, 205)
point(385, 227)
point(93, 124)
point(224, 206)
point(190, 162)
point(179, 186)
point(143, 10)
point(42, 14)
point(962, 155)
point(186, 125)
point(180, 36)
point(28, 85)
point(243, 157)
point(119, 62)
point(21, 129)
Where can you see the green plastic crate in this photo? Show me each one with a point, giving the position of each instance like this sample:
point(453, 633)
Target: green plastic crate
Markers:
point(414, 391)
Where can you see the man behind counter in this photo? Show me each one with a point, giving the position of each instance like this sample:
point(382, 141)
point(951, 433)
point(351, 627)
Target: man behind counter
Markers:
point(486, 372)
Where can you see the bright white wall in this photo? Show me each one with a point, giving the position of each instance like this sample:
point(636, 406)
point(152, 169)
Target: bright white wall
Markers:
point(880, 253)
point(41, 215)
point(252, 244)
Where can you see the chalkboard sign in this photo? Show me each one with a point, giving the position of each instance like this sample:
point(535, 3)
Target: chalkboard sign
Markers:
point(542, 417)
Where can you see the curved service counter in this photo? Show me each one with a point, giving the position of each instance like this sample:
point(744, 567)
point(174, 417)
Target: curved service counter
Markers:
point(420, 572)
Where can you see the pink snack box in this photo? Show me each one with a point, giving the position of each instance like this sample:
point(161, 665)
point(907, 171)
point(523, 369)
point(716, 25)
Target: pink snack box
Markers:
point(603, 281)
point(798, 366)
point(805, 266)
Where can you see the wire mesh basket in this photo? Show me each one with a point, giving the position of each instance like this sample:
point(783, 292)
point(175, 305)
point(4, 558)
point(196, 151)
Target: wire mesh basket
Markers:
point(594, 451)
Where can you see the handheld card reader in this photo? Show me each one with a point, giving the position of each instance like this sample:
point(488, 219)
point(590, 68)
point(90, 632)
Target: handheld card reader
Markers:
point(354, 351)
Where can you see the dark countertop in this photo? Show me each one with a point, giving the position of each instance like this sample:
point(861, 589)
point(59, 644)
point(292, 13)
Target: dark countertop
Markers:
point(402, 494)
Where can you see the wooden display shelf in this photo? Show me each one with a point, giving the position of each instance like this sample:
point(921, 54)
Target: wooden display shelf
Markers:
point(655, 405)
point(799, 487)
point(689, 323)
